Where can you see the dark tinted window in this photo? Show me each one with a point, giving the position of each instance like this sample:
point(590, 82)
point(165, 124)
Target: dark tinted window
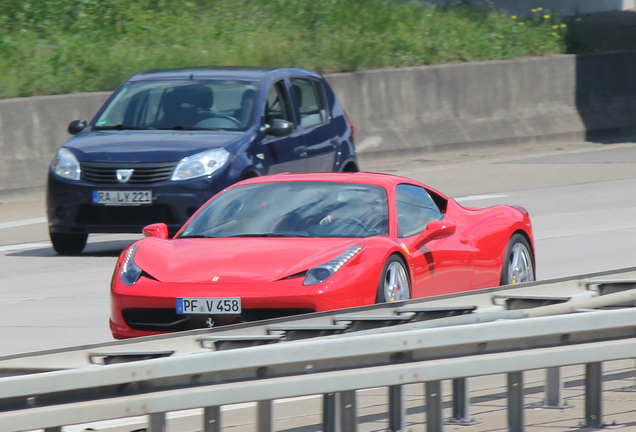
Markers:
point(310, 96)
point(278, 104)
point(415, 209)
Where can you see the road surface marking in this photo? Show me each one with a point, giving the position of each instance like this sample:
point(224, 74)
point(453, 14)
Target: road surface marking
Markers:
point(24, 246)
point(480, 197)
point(22, 222)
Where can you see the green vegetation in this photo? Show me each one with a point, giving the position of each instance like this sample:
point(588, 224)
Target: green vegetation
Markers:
point(68, 46)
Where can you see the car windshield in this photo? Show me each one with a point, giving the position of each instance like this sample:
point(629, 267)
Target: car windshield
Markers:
point(294, 209)
point(178, 105)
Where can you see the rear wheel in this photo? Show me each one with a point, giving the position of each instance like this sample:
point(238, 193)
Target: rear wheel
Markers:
point(68, 244)
point(518, 265)
point(394, 284)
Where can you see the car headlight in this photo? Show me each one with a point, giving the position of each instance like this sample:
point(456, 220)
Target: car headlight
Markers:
point(66, 165)
point(130, 271)
point(201, 164)
point(323, 272)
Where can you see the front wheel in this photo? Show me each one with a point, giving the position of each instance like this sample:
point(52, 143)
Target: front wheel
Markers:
point(518, 265)
point(68, 244)
point(394, 283)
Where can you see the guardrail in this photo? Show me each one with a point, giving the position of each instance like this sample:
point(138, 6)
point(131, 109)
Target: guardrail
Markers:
point(497, 341)
point(323, 366)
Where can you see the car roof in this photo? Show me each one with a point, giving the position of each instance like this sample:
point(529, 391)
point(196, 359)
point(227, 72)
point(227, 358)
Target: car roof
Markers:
point(387, 181)
point(218, 72)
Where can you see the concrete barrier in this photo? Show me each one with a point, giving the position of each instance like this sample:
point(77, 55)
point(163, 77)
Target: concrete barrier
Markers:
point(31, 131)
point(565, 97)
point(409, 110)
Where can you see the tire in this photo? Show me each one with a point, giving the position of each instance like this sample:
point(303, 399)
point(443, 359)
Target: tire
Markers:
point(394, 282)
point(518, 265)
point(68, 244)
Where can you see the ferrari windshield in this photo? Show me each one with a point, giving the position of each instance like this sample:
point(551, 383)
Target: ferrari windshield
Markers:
point(188, 104)
point(294, 209)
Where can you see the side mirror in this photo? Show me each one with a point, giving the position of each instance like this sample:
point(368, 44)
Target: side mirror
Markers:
point(76, 126)
point(437, 230)
point(158, 230)
point(280, 128)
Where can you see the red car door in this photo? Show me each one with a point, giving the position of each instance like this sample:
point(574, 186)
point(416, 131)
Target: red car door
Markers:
point(440, 255)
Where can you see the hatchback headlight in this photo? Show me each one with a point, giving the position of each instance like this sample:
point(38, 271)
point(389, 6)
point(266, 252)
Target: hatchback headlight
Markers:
point(201, 164)
point(130, 271)
point(321, 273)
point(66, 165)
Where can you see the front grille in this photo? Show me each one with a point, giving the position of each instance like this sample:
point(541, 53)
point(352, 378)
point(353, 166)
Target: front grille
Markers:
point(143, 173)
point(89, 214)
point(168, 320)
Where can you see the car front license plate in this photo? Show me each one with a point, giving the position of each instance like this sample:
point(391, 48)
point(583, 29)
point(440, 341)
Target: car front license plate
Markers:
point(124, 198)
point(226, 305)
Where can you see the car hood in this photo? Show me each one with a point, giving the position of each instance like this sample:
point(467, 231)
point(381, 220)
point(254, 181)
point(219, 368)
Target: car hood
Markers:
point(235, 260)
point(146, 146)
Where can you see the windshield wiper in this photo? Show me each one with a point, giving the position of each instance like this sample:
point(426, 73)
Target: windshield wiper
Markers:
point(195, 236)
point(121, 127)
point(181, 127)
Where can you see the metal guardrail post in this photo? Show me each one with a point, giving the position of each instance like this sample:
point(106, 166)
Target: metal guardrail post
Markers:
point(330, 412)
point(53, 429)
point(433, 390)
point(461, 404)
point(348, 411)
point(554, 389)
point(212, 419)
point(157, 422)
point(396, 409)
point(264, 421)
point(515, 402)
point(593, 395)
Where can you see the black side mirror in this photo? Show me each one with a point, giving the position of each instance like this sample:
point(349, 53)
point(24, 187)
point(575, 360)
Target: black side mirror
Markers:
point(280, 128)
point(76, 126)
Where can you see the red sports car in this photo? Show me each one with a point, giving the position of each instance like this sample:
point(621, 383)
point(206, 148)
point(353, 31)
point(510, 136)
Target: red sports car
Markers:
point(295, 243)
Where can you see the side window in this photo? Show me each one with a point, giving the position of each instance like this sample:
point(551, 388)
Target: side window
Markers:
point(311, 99)
point(415, 209)
point(278, 104)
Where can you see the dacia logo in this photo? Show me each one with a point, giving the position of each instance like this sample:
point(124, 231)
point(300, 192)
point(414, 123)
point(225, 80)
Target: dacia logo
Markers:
point(123, 175)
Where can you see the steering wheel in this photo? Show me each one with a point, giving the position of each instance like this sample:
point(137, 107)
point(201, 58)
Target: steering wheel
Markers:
point(355, 221)
point(230, 118)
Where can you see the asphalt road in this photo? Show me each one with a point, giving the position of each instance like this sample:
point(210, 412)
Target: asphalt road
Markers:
point(580, 196)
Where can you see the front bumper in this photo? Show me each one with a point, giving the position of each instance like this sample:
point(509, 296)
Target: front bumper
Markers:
point(149, 307)
point(70, 207)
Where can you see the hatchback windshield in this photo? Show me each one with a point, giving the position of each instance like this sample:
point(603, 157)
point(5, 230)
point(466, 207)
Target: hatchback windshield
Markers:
point(294, 209)
point(188, 104)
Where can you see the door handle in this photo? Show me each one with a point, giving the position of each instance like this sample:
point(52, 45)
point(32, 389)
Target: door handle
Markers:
point(301, 150)
point(333, 141)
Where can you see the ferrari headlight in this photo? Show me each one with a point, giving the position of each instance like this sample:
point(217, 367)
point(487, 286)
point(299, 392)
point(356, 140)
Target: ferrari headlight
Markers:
point(130, 271)
point(201, 164)
point(66, 165)
point(321, 273)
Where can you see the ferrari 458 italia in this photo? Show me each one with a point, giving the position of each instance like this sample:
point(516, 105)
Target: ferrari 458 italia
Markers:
point(289, 244)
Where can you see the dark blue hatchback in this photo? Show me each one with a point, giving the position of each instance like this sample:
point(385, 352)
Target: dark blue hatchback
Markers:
point(168, 140)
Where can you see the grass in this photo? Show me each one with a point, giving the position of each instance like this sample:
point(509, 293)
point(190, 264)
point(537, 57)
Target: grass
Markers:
point(69, 46)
